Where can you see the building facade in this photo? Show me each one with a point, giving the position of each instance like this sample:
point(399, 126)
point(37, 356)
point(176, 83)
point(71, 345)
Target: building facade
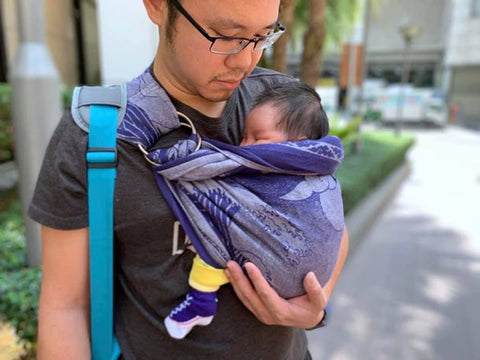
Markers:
point(462, 62)
point(444, 55)
point(386, 46)
point(71, 33)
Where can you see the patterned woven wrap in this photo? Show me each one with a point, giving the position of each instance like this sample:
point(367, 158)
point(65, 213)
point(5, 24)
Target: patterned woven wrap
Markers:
point(276, 205)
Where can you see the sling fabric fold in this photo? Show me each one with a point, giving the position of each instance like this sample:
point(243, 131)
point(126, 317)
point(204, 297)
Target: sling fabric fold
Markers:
point(276, 205)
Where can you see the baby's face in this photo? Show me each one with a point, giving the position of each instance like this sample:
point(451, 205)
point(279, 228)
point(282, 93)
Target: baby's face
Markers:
point(261, 126)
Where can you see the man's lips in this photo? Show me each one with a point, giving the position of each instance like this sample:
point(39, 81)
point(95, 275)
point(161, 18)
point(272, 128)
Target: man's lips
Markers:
point(230, 80)
point(229, 83)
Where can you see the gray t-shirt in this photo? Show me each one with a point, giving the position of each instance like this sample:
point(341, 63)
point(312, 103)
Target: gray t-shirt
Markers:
point(152, 263)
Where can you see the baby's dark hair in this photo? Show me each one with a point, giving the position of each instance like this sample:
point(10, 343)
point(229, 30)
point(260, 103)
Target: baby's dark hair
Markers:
point(300, 107)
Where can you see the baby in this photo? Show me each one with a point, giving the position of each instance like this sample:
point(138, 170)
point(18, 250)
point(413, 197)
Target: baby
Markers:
point(285, 112)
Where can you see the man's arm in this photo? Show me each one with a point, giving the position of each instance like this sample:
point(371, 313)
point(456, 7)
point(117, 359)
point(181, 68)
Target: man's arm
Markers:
point(337, 270)
point(63, 316)
point(304, 311)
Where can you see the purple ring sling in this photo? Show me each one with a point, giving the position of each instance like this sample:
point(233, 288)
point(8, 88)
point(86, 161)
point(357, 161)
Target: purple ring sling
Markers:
point(276, 205)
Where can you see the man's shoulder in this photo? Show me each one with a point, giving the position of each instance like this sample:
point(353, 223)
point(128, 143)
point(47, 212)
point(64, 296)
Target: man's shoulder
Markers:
point(261, 78)
point(260, 74)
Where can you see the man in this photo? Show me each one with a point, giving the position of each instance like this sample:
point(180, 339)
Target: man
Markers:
point(207, 76)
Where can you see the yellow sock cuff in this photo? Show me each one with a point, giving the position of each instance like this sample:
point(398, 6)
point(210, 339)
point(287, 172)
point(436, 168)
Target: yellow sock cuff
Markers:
point(204, 277)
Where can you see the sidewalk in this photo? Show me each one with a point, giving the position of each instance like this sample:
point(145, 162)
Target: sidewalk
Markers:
point(412, 288)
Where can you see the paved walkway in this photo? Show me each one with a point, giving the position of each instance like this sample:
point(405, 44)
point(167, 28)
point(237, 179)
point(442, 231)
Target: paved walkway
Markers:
point(412, 288)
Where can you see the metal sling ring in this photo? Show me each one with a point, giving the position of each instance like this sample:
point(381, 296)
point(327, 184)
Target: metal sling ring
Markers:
point(188, 124)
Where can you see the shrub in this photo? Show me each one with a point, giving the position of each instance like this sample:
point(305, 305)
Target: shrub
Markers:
point(381, 153)
point(343, 131)
point(19, 285)
point(373, 115)
point(19, 291)
point(12, 238)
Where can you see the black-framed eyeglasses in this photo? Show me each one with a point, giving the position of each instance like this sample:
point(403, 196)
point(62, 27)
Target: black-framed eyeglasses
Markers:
point(227, 45)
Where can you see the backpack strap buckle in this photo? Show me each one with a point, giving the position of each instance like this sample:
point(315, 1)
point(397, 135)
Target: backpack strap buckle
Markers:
point(102, 157)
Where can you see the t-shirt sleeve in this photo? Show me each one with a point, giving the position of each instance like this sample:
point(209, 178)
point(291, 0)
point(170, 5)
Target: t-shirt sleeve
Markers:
point(60, 197)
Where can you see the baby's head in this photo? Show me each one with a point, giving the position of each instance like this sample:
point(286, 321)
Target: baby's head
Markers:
point(285, 112)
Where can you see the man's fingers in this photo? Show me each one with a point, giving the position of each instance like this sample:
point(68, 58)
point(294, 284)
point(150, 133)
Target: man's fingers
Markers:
point(241, 285)
point(274, 309)
point(248, 294)
point(263, 288)
point(314, 290)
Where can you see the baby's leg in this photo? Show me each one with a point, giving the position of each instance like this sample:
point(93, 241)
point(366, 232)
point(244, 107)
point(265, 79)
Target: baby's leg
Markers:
point(200, 304)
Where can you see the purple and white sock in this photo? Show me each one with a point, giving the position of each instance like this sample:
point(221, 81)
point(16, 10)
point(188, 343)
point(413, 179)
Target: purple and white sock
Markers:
point(198, 308)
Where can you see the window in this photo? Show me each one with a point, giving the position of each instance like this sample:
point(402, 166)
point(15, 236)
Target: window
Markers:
point(420, 75)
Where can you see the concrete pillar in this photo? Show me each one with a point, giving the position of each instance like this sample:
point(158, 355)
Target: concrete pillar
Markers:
point(36, 109)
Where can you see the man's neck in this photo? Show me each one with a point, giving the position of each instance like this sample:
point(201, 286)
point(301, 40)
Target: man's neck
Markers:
point(208, 108)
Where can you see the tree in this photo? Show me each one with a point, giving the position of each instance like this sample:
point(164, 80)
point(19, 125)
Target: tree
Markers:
point(279, 57)
point(321, 21)
point(313, 42)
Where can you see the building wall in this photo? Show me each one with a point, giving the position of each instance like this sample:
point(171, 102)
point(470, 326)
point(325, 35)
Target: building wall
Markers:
point(386, 46)
point(465, 93)
point(59, 31)
point(60, 37)
point(464, 37)
point(128, 40)
point(384, 34)
point(463, 60)
point(10, 29)
point(90, 42)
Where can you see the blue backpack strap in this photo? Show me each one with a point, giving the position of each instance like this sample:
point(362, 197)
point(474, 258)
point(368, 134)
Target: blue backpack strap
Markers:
point(101, 174)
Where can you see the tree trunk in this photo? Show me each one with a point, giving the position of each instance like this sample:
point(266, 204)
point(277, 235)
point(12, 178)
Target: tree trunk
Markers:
point(313, 42)
point(279, 57)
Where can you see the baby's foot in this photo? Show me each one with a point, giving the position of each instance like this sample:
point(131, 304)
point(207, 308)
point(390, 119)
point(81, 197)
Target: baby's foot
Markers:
point(198, 308)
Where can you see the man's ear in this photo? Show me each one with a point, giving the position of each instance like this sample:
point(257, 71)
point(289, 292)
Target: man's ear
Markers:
point(156, 10)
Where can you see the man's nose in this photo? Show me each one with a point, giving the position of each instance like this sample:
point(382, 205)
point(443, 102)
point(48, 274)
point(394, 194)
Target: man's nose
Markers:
point(243, 60)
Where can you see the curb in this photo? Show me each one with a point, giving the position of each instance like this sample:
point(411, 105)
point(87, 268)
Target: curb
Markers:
point(360, 219)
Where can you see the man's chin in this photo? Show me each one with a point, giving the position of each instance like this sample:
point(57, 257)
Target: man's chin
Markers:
point(218, 96)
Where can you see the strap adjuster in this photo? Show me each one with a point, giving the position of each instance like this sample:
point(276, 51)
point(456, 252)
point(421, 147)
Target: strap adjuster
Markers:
point(102, 157)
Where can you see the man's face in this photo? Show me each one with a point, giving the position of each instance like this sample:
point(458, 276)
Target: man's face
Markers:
point(261, 126)
point(186, 63)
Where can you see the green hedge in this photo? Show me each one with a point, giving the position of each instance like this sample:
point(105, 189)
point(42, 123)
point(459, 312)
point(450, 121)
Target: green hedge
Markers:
point(6, 131)
point(343, 131)
point(19, 285)
point(19, 305)
point(380, 154)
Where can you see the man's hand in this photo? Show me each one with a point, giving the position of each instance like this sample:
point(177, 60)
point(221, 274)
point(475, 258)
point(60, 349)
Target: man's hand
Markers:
point(303, 311)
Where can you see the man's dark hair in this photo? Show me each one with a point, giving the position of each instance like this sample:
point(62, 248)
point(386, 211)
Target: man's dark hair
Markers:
point(300, 107)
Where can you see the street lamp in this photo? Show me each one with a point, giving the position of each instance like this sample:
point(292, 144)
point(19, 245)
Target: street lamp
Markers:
point(408, 32)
